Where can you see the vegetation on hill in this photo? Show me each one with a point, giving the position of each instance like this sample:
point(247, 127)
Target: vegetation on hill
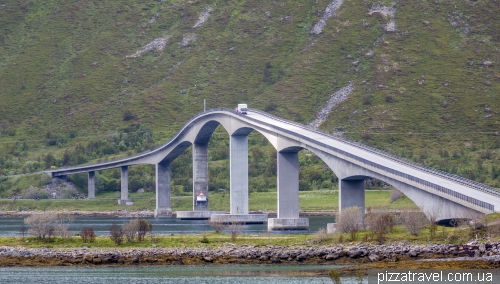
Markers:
point(87, 81)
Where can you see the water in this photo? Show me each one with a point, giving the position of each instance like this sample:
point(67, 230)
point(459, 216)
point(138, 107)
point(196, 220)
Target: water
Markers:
point(170, 274)
point(12, 226)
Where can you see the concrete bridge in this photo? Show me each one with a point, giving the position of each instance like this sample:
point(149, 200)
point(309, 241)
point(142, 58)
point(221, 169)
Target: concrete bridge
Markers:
point(444, 195)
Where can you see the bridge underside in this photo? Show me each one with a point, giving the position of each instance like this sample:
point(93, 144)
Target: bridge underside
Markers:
point(351, 191)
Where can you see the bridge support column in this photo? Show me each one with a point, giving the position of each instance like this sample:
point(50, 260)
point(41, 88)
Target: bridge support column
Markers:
point(238, 172)
point(163, 207)
point(352, 193)
point(124, 186)
point(288, 195)
point(91, 185)
point(200, 186)
point(200, 177)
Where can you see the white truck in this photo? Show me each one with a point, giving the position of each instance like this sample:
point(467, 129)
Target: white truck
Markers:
point(242, 108)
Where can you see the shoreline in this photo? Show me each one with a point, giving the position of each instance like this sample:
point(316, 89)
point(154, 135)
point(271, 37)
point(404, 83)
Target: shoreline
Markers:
point(142, 213)
point(355, 257)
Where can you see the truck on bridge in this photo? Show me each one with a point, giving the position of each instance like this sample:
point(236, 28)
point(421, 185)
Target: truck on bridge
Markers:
point(242, 108)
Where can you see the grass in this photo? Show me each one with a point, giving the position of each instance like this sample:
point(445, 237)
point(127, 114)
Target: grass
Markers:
point(321, 200)
point(445, 235)
point(177, 240)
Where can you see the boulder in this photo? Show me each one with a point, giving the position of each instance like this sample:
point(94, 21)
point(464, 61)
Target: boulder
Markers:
point(355, 253)
point(332, 256)
point(302, 257)
point(374, 257)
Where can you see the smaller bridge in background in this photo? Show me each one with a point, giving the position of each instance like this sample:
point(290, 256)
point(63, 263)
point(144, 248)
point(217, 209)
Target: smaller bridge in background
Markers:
point(444, 195)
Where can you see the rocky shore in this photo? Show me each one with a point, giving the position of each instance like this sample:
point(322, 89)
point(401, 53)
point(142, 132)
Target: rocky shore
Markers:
point(249, 254)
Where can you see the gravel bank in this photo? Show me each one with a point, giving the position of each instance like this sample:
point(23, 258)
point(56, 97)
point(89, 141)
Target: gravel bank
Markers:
point(248, 254)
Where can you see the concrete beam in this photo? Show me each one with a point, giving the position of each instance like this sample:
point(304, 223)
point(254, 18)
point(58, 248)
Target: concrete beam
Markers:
point(91, 186)
point(238, 171)
point(352, 193)
point(124, 186)
point(196, 215)
point(288, 185)
point(200, 176)
point(239, 218)
point(285, 224)
point(163, 206)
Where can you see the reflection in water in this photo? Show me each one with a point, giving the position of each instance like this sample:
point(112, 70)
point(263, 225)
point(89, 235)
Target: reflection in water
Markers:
point(12, 226)
point(184, 274)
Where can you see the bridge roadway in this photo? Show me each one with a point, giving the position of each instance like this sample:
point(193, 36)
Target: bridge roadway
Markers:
point(438, 194)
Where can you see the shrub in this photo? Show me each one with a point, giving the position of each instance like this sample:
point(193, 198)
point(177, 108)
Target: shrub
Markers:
point(335, 276)
point(234, 229)
point(349, 221)
point(380, 224)
point(414, 222)
point(320, 236)
point(130, 230)
point(48, 224)
point(204, 240)
point(144, 228)
point(136, 229)
point(87, 234)
point(33, 193)
point(116, 234)
point(432, 215)
point(218, 227)
point(128, 115)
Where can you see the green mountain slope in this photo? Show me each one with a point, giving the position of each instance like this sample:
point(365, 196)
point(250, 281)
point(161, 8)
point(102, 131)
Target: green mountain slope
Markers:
point(74, 83)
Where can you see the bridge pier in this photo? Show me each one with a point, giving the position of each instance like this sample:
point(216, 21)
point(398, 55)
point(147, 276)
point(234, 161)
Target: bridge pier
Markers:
point(238, 172)
point(288, 195)
point(352, 193)
point(200, 186)
point(124, 186)
point(91, 185)
point(163, 206)
point(200, 177)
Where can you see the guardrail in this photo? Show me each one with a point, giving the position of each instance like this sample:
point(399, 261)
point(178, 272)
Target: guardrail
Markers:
point(475, 185)
point(147, 152)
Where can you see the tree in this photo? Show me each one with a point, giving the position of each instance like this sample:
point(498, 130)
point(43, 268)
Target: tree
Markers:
point(116, 234)
point(136, 229)
point(144, 228)
point(380, 224)
point(350, 220)
point(48, 224)
point(414, 222)
point(87, 234)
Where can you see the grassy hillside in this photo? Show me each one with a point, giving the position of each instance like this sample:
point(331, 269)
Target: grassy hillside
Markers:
point(74, 89)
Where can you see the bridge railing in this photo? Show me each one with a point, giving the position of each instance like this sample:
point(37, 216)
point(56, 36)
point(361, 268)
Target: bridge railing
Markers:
point(461, 180)
point(152, 150)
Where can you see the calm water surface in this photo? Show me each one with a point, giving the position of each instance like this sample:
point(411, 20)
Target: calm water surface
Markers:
point(11, 226)
point(176, 274)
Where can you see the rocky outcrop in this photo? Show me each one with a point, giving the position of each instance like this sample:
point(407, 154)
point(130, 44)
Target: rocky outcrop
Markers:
point(247, 254)
point(388, 13)
point(329, 12)
point(156, 45)
point(203, 17)
point(334, 99)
